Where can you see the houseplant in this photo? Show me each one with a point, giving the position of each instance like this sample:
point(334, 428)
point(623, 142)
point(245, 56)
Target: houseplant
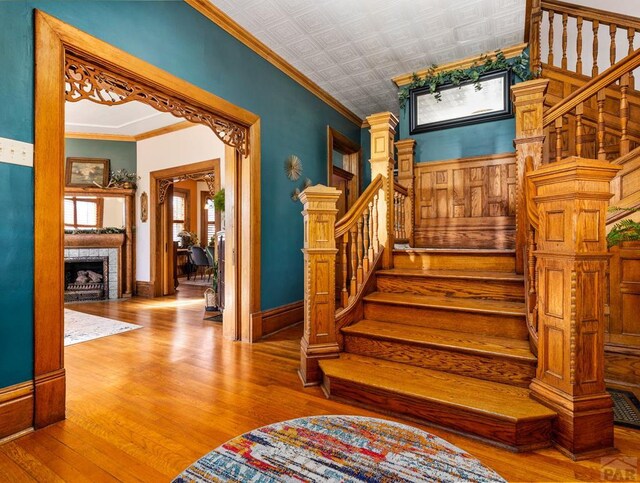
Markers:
point(624, 230)
point(211, 293)
point(123, 179)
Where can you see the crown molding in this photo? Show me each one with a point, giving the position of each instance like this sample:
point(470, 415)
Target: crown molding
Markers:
point(234, 29)
point(164, 130)
point(100, 136)
point(509, 52)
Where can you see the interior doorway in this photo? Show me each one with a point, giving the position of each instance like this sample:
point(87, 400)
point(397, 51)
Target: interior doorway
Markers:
point(70, 63)
point(344, 168)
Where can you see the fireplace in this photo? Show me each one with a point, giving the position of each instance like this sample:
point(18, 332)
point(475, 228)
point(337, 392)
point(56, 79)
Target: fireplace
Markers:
point(86, 278)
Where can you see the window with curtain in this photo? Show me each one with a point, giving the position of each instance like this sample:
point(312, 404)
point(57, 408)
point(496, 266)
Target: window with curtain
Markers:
point(82, 212)
point(180, 210)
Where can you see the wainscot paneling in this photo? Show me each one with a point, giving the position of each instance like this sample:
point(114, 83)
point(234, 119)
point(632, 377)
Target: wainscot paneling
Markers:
point(16, 410)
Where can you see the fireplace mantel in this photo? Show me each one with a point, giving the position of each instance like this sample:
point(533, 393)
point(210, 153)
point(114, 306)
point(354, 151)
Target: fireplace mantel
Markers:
point(95, 240)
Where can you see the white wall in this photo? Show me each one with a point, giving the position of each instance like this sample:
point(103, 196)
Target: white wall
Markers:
point(178, 148)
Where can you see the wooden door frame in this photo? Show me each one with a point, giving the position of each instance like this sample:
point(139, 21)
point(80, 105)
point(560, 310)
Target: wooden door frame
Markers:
point(55, 39)
point(341, 143)
point(155, 238)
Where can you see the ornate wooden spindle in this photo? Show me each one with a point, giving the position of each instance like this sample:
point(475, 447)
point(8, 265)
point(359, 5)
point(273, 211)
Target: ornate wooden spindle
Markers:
point(613, 29)
point(550, 56)
point(365, 230)
point(531, 266)
point(565, 17)
point(631, 33)
point(344, 293)
point(624, 115)
point(601, 97)
point(371, 251)
point(354, 262)
point(374, 212)
point(579, 46)
point(359, 252)
point(559, 138)
point(579, 128)
point(595, 25)
point(402, 224)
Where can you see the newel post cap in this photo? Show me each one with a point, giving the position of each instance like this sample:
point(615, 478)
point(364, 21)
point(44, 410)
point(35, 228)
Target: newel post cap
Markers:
point(574, 168)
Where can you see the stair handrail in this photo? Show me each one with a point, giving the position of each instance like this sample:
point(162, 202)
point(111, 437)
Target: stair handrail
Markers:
point(593, 87)
point(590, 13)
point(351, 216)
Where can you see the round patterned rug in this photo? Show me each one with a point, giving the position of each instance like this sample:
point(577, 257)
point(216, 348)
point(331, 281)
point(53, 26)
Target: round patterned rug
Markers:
point(337, 448)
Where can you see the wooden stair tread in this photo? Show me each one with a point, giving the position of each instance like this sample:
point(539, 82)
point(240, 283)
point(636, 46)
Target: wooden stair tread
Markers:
point(499, 401)
point(461, 251)
point(461, 274)
point(449, 303)
point(440, 338)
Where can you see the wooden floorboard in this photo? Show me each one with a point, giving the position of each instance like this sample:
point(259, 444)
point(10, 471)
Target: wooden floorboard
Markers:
point(145, 404)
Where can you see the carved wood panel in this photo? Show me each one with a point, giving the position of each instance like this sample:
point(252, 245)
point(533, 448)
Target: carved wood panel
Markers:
point(624, 323)
point(466, 203)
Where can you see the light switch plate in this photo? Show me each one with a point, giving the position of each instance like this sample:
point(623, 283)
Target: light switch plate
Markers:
point(16, 152)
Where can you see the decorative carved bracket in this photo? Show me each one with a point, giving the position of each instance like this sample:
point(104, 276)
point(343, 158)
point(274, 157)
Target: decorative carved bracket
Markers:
point(84, 80)
point(206, 177)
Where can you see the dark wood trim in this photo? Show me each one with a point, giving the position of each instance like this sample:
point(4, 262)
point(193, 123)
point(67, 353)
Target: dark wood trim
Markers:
point(144, 289)
point(527, 19)
point(186, 194)
point(276, 319)
point(16, 410)
point(336, 141)
point(106, 173)
point(53, 40)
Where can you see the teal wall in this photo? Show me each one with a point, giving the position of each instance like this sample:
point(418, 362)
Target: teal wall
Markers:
point(121, 153)
point(176, 38)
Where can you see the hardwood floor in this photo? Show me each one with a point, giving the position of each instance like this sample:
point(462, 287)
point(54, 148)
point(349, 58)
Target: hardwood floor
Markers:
point(144, 404)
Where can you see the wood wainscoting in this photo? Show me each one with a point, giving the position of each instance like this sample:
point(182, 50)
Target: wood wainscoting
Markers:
point(16, 410)
point(144, 289)
point(274, 320)
point(466, 202)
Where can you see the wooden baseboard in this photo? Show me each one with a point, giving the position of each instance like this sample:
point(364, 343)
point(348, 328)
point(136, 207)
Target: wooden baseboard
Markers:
point(50, 398)
point(144, 289)
point(276, 319)
point(16, 410)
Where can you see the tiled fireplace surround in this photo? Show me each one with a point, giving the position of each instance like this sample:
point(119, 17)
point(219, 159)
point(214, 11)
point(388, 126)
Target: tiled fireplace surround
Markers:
point(111, 253)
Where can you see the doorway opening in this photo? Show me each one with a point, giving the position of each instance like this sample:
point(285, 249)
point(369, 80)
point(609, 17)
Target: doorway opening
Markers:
point(344, 168)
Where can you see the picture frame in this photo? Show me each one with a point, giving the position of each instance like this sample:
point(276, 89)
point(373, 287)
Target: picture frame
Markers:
point(462, 104)
point(83, 172)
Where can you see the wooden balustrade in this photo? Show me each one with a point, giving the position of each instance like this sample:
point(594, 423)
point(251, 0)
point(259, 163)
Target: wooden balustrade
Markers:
point(400, 202)
point(339, 258)
point(574, 19)
point(406, 178)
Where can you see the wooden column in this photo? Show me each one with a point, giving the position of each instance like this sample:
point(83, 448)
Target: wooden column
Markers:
point(572, 198)
point(130, 220)
point(528, 102)
point(406, 177)
point(319, 338)
point(383, 129)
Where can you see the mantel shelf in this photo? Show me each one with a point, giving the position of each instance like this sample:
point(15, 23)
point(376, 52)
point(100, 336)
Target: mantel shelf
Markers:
point(89, 190)
point(94, 240)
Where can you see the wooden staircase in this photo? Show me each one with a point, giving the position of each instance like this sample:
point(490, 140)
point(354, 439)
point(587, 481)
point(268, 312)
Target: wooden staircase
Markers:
point(445, 346)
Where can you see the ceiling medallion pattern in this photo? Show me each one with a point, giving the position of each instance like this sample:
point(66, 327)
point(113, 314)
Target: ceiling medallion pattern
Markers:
point(84, 80)
point(206, 177)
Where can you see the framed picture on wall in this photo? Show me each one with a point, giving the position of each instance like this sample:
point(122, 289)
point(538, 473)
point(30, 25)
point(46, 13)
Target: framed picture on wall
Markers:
point(87, 172)
point(462, 104)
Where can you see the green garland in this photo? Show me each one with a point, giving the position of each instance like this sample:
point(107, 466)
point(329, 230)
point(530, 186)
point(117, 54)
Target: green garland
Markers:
point(624, 230)
point(518, 65)
point(109, 230)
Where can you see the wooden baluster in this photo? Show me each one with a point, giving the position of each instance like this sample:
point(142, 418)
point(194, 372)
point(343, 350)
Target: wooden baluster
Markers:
point(602, 95)
point(631, 33)
point(624, 115)
point(402, 230)
point(359, 273)
point(550, 56)
point(579, 128)
point(396, 231)
point(613, 29)
point(565, 17)
point(371, 251)
point(374, 225)
point(365, 230)
point(595, 25)
point(579, 46)
point(344, 293)
point(559, 138)
point(531, 266)
point(354, 262)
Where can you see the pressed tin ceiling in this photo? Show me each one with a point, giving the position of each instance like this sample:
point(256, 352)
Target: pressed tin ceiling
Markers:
point(352, 48)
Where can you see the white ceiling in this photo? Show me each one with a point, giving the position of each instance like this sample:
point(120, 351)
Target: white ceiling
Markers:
point(131, 118)
point(352, 48)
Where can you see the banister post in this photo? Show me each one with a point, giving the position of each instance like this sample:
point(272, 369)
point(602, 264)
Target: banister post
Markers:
point(534, 35)
point(528, 102)
point(572, 198)
point(406, 162)
point(319, 337)
point(383, 129)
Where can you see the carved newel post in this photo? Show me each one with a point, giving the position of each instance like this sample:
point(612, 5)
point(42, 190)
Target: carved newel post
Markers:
point(528, 102)
point(383, 130)
point(406, 162)
point(319, 338)
point(572, 198)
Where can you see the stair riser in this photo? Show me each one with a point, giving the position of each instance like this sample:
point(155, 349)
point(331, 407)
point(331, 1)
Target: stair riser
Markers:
point(455, 261)
point(502, 370)
point(511, 291)
point(517, 435)
point(497, 325)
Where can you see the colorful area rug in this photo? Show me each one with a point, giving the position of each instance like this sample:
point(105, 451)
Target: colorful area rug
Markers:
point(626, 408)
point(337, 448)
point(81, 327)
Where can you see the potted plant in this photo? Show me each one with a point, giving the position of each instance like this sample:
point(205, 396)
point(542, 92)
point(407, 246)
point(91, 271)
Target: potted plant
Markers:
point(123, 179)
point(211, 293)
point(624, 230)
